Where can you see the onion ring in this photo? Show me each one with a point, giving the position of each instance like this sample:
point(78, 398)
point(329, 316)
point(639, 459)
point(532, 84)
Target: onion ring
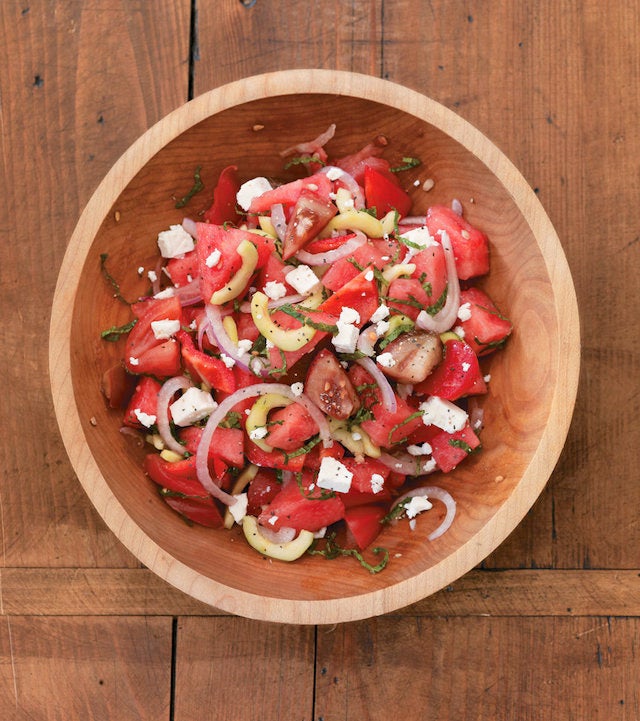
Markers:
point(350, 183)
point(446, 317)
point(279, 220)
point(220, 337)
point(388, 396)
point(165, 394)
point(439, 494)
point(190, 227)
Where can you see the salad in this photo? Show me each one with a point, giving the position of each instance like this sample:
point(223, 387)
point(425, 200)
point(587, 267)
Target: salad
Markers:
point(309, 353)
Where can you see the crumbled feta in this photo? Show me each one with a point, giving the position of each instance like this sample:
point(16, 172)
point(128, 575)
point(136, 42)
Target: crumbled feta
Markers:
point(192, 406)
point(382, 326)
point(346, 338)
point(133, 361)
point(334, 173)
point(163, 329)
point(239, 509)
point(147, 419)
point(334, 476)
point(297, 388)
point(275, 290)
point(377, 483)
point(349, 315)
point(253, 188)
point(429, 466)
point(443, 414)
point(213, 258)
point(166, 293)
point(487, 378)
point(386, 360)
point(244, 346)
point(302, 279)
point(421, 237)
point(273, 520)
point(464, 312)
point(466, 366)
point(258, 433)
point(416, 505)
point(459, 331)
point(369, 275)
point(152, 275)
point(227, 360)
point(423, 449)
point(381, 313)
point(141, 270)
point(175, 242)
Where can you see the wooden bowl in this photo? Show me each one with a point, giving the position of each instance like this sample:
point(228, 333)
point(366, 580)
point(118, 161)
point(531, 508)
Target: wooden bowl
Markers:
point(533, 381)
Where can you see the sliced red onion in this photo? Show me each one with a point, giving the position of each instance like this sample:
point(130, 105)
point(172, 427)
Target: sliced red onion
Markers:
point(284, 535)
point(189, 294)
point(312, 146)
point(330, 256)
point(476, 415)
point(165, 394)
point(419, 220)
point(279, 220)
point(350, 183)
point(190, 227)
point(446, 317)
point(155, 284)
point(439, 494)
point(388, 396)
point(218, 415)
point(220, 337)
point(401, 463)
point(128, 431)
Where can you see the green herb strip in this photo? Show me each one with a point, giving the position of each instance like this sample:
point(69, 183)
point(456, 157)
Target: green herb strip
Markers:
point(396, 333)
point(198, 185)
point(333, 550)
point(323, 496)
point(306, 320)
point(116, 332)
point(439, 304)
point(110, 279)
point(408, 419)
point(407, 164)
point(303, 160)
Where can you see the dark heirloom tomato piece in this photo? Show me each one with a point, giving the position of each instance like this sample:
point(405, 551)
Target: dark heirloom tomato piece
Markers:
point(415, 354)
point(117, 385)
point(310, 215)
point(328, 386)
point(146, 354)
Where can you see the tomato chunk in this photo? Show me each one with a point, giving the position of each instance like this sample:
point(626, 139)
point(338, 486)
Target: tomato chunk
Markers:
point(364, 523)
point(383, 192)
point(223, 208)
point(143, 401)
point(456, 375)
point(486, 329)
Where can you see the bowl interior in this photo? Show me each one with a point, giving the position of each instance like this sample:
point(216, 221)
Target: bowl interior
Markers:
point(521, 389)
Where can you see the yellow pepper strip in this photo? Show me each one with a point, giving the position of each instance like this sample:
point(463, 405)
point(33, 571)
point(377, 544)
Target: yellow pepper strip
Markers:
point(344, 200)
point(356, 220)
point(259, 413)
point(229, 324)
point(171, 456)
point(389, 222)
point(395, 271)
point(249, 254)
point(292, 339)
point(241, 483)
point(280, 551)
point(267, 225)
point(360, 446)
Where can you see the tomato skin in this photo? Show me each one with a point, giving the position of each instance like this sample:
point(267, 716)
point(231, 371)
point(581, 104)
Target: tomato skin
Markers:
point(362, 473)
point(223, 208)
point(310, 215)
point(470, 245)
point(274, 459)
point(487, 329)
point(179, 477)
point(342, 271)
point(183, 270)
point(292, 427)
point(383, 192)
point(364, 523)
point(150, 355)
point(227, 444)
point(203, 367)
point(313, 459)
point(456, 375)
point(328, 386)
point(302, 509)
point(144, 399)
point(202, 511)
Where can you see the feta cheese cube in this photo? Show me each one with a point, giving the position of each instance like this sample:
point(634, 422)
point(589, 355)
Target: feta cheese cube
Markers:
point(416, 505)
point(258, 433)
point(244, 346)
point(346, 338)
point(275, 290)
point(334, 476)
point(464, 312)
point(423, 449)
point(334, 173)
point(302, 279)
point(147, 419)
point(134, 361)
point(443, 414)
point(175, 242)
point(166, 293)
point(250, 190)
point(380, 314)
point(227, 360)
point(377, 483)
point(152, 275)
point(192, 406)
point(213, 258)
point(382, 326)
point(386, 360)
point(429, 466)
point(163, 329)
point(349, 315)
point(239, 509)
point(297, 388)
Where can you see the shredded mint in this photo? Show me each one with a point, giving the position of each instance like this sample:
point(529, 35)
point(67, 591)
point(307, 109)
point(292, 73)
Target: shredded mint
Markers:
point(116, 332)
point(198, 185)
point(332, 550)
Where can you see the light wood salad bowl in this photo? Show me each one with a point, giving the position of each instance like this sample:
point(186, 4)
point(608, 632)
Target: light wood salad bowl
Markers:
point(533, 380)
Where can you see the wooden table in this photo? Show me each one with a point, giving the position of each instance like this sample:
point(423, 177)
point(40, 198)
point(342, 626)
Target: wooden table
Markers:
point(549, 626)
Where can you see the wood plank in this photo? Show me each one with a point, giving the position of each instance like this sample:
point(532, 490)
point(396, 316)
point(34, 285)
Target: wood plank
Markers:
point(78, 668)
point(81, 80)
point(441, 669)
point(275, 682)
point(235, 41)
point(133, 592)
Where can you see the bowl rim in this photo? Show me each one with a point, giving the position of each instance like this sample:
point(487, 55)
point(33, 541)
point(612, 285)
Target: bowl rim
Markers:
point(547, 453)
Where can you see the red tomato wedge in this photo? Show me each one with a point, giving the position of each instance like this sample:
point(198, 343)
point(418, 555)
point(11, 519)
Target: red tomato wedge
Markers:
point(486, 329)
point(383, 193)
point(223, 208)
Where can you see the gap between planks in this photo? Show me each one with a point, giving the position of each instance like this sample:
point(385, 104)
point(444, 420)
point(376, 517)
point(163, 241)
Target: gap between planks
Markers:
point(138, 592)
